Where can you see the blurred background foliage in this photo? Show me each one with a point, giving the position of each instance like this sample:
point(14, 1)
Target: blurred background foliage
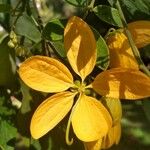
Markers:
point(31, 27)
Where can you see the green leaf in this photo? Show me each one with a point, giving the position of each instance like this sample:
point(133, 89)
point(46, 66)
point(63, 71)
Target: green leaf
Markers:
point(7, 133)
point(7, 112)
point(7, 118)
point(27, 98)
point(5, 8)
point(7, 64)
point(59, 46)
point(54, 30)
point(136, 10)
point(108, 14)
point(112, 2)
point(25, 26)
point(102, 51)
point(77, 3)
point(34, 144)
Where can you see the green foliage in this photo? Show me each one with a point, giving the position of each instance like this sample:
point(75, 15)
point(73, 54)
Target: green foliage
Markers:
point(77, 3)
point(136, 10)
point(54, 30)
point(102, 51)
point(59, 47)
point(108, 14)
point(7, 64)
point(8, 130)
point(26, 26)
point(5, 8)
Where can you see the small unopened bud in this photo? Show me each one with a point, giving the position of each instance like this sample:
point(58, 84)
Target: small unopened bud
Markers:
point(12, 35)
point(14, 40)
point(15, 102)
point(21, 51)
point(11, 44)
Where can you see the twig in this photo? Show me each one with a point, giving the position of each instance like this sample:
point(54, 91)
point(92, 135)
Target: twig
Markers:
point(39, 20)
point(88, 8)
point(20, 13)
point(40, 27)
point(17, 5)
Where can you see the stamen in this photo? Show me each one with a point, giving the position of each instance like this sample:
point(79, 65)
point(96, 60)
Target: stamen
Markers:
point(89, 86)
point(69, 142)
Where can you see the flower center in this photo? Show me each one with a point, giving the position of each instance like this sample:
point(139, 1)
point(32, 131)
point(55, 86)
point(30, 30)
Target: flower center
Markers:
point(79, 87)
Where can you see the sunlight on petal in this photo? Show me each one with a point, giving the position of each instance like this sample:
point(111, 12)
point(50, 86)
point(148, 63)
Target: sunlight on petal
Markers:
point(122, 83)
point(80, 45)
point(121, 54)
point(50, 113)
point(140, 31)
point(90, 119)
point(113, 136)
point(95, 145)
point(45, 74)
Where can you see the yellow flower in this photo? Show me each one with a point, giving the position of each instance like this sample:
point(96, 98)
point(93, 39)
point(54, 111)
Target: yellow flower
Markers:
point(140, 31)
point(89, 118)
point(114, 133)
point(121, 54)
point(112, 137)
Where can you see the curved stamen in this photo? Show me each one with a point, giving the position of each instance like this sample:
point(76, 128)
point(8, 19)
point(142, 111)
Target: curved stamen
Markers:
point(70, 142)
point(88, 86)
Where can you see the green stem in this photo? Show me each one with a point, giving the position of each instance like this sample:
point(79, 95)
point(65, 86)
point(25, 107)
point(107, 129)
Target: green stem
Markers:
point(92, 4)
point(39, 24)
point(16, 7)
point(39, 20)
point(2, 147)
point(70, 142)
point(89, 8)
point(22, 9)
point(131, 42)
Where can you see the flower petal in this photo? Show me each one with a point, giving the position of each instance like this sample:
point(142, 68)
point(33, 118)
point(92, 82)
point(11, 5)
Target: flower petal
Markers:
point(140, 31)
point(80, 45)
point(113, 136)
point(121, 54)
point(122, 83)
point(114, 107)
point(50, 113)
point(45, 74)
point(95, 145)
point(90, 119)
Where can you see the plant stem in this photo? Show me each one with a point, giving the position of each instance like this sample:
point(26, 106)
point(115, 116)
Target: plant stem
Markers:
point(131, 42)
point(92, 3)
point(89, 8)
point(17, 5)
point(45, 47)
point(20, 13)
point(39, 20)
